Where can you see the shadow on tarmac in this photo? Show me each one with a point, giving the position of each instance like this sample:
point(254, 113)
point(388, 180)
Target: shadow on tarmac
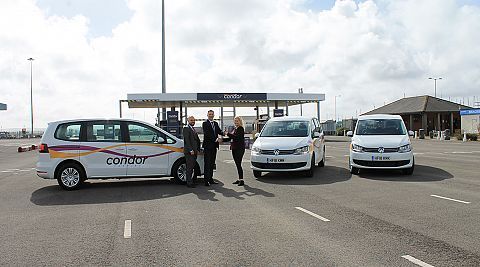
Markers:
point(118, 191)
point(421, 173)
point(325, 175)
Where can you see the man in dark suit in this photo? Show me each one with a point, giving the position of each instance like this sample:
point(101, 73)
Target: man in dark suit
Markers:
point(211, 132)
point(191, 148)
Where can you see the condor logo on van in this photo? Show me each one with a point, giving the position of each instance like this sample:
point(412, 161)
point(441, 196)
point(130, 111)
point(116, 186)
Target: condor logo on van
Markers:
point(126, 160)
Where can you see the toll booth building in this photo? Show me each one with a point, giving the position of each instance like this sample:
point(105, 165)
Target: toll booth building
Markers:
point(425, 112)
point(179, 104)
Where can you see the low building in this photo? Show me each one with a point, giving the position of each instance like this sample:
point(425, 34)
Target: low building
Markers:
point(470, 121)
point(328, 127)
point(425, 112)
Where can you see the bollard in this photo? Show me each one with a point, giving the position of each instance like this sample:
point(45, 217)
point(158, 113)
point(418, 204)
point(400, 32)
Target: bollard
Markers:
point(464, 137)
point(416, 136)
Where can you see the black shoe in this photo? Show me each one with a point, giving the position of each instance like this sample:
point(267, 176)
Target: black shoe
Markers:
point(236, 182)
point(241, 182)
point(207, 184)
point(213, 182)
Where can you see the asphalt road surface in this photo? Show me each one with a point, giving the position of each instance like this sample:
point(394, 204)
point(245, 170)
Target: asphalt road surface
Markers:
point(377, 218)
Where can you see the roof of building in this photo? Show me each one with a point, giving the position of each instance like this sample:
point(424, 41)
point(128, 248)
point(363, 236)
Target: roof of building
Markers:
point(418, 104)
point(167, 100)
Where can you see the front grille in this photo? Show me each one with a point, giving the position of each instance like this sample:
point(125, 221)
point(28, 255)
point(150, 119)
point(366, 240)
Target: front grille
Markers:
point(375, 150)
point(368, 163)
point(284, 166)
point(281, 152)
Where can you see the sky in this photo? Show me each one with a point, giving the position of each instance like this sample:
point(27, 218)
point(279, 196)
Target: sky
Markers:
point(90, 54)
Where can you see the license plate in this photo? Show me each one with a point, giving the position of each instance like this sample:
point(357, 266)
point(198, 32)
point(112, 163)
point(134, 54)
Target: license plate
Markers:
point(380, 158)
point(275, 160)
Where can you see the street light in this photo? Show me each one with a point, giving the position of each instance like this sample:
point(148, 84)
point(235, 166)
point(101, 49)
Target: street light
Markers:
point(300, 91)
point(335, 105)
point(31, 91)
point(164, 89)
point(435, 81)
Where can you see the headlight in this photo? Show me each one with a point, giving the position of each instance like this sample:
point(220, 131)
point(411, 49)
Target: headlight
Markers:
point(356, 148)
point(302, 150)
point(405, 148)
point(256, 150)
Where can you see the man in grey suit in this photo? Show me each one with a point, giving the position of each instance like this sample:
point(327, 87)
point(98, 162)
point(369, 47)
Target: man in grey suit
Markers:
point(191, 148)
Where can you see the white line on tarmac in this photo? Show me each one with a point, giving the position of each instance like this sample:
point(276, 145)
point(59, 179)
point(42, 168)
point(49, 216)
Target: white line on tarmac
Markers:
point(447, 198)
point(313, 214)
point(416, 261)
point(127, 232)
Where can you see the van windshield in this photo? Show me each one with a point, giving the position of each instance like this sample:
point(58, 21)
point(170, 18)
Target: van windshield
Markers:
point(285, 129)
point(380, 127)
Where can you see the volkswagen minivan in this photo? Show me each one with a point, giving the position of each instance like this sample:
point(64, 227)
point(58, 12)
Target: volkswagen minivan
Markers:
point(381, 142)
point(288, 144)
point(73, 151)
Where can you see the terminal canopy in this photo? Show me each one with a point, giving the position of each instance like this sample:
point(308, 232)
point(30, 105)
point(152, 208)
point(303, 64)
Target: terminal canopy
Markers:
point(191, 100)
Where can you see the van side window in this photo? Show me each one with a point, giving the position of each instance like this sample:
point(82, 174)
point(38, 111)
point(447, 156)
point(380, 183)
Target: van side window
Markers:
point(144, 134)
point(104, 132)
point(68, 131)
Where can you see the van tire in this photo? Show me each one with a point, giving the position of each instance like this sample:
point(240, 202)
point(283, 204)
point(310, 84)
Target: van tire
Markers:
point(309, 173)
point(409, 171)
point(322, 162)
point(70, 176)
point(257, 174)
point(178, 168)
point(353, 170)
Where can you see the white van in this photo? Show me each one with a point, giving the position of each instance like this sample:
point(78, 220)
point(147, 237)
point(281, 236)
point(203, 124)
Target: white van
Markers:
point(75, 150)
point(288, 144)
point(381, 142)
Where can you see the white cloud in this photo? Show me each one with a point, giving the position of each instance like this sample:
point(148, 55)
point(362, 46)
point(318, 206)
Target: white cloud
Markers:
point(370, 52)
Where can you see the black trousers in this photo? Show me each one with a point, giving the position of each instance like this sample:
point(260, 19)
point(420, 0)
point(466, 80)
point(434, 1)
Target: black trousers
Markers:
point(210, 155)
point(190, 160)
point(237, 157)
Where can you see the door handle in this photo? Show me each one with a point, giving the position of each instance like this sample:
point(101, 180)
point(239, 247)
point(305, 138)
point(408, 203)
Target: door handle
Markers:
point(119, 149)
point(132, 149)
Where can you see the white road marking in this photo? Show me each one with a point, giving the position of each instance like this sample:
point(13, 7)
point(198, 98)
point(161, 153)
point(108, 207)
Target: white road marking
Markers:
point(459, 152)
point(418, 153)
point(330, 157)
point(447, 198)
point(127, 232)
point(416, 261)
point(313, 214)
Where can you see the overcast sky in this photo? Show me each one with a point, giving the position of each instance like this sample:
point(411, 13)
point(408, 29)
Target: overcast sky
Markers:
point(89, 53)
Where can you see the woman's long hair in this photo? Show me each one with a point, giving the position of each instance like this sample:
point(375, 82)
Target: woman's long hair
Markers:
point(240, 119)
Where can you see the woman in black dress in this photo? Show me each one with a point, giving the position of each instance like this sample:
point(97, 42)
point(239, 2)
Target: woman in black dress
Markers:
point(237, 145)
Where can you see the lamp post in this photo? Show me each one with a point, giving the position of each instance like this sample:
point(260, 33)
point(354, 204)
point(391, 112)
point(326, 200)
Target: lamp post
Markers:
point(335, 106)
point(435, 82)
point(300, 91)
point(31, 92)
point(164, 89)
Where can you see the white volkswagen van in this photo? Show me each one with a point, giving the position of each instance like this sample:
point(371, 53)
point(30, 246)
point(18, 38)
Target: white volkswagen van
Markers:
point(288, 144)
point(75, 150)
point(381, 142)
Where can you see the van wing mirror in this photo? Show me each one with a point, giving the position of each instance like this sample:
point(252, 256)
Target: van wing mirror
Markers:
point(350, 133)
point(257, 135)
point(411, 133)
point(316, 134)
